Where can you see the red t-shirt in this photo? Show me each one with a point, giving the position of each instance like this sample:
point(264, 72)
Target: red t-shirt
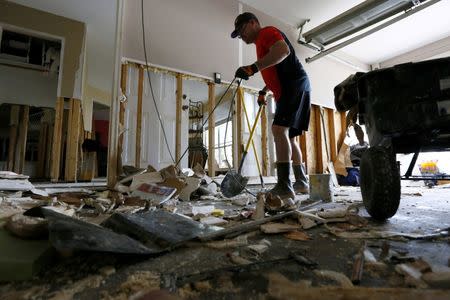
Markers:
point(266, 38)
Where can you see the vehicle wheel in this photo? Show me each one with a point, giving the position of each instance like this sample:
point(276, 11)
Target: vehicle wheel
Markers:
point(380, 182)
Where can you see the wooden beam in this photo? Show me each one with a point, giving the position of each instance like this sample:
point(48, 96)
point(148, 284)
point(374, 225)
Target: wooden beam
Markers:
point(264, 151)
point(303, 144)
point(178, 116)
point(239, 128)
point(13, 126)
point(139, 118)
point(123, 104)
point(43, 145)
point(343, 129)
point(73, 140)
point(211, 129)
point(332, 131)
point(318, 139)
point(19, 164)
point(57, 138)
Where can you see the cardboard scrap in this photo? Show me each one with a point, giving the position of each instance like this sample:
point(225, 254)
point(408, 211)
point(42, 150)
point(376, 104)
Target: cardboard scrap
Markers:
point(213, 221)
point(155, 193)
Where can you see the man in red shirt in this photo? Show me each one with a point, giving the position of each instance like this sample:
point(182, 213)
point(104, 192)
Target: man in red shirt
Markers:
point(284, 75)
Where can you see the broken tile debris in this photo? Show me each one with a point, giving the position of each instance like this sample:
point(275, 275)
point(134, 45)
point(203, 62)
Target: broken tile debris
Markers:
point(121, 221)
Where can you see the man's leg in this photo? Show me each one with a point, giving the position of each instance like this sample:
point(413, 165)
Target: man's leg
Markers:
point(283, 188)
point(282, 144)
point(301, 181)
point(296, 153)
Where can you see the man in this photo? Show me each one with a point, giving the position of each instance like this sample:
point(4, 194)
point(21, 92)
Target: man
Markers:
point(284, 75)
point(357, 150)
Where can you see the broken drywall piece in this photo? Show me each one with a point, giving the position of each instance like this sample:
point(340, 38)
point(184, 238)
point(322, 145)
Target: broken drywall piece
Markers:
point(188, 172)
point(202, 210)
point(297, 236)
point(122, 188)
point(369, 257)
point(236, 259)
point(131, 175)
point(260, 205)
point(212, 187)
point(210, 220)
point(15, 185)
point(153, 177)
point(39, 192)
point(412, 275)
point(307, 223)
point(333, 213)
point(12, 175)
point(340, 278)
point(192, 185)
point(258, 248)
point(278, 228)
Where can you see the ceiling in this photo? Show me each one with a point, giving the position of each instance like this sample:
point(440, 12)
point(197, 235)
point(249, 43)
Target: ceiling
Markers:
point(420, 29)
point(100, 19)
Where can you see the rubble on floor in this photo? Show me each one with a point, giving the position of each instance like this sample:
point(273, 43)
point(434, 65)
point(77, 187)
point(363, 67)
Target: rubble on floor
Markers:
point(151, 213)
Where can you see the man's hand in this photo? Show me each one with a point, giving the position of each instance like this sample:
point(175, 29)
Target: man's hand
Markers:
point(245, 72)
point(262, 98)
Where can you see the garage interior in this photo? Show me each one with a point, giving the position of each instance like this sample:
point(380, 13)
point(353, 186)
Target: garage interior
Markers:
point(120, 120)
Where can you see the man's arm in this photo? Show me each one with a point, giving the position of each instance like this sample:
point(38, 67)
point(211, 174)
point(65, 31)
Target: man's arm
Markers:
point(277, 53)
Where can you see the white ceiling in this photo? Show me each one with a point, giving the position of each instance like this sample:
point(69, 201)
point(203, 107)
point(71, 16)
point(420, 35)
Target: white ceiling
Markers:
point(100, 19)
point(422, 28)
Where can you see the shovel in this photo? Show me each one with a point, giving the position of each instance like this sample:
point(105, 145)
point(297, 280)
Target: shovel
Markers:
point(234, 183)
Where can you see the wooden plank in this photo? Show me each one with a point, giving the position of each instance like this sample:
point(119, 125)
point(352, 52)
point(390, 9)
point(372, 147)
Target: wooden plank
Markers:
point(211, 129)
point(264, 150)
point(57, 138)
point(318, 139)
point(66, 141)
point(19, 164)
point(123, 105)
point(343, 129)
point(179, 104)
point(73, 140)
point(139, 118)
point(13, 127)
point(332, 134)
point(42, 150)
point(239, 128)
point(303, 144)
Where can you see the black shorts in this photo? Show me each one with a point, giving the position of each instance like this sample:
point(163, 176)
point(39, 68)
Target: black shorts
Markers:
point(293, 110)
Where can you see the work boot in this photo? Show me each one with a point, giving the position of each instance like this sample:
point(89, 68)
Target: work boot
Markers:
point(301, 181)
point(283, 188)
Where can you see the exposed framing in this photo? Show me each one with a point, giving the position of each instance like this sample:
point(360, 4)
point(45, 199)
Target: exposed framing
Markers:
point(211, 129)
point(139, 118)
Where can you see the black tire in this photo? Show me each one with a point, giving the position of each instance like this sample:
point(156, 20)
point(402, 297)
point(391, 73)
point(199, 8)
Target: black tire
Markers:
point(380, 182)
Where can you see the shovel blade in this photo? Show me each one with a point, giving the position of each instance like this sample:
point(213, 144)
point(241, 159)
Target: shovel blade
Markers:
point(233, 184)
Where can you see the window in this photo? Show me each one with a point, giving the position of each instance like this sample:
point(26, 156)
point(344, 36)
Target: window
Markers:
point(223, 146)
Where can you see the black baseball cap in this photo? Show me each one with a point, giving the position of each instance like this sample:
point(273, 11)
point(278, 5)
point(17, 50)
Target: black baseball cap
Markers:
point(240, 21)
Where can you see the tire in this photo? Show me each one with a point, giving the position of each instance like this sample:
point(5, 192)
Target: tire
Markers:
point(380, 182)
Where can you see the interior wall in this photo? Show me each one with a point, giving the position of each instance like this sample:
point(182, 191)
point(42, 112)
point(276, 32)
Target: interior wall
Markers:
point(190, 35)
point(27, 87)
point(36, 20)
point(196, 39)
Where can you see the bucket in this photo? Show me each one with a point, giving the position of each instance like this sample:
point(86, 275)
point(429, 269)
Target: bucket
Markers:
point(321, 187)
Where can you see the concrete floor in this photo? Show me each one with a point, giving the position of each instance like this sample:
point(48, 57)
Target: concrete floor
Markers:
point(198, 272)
